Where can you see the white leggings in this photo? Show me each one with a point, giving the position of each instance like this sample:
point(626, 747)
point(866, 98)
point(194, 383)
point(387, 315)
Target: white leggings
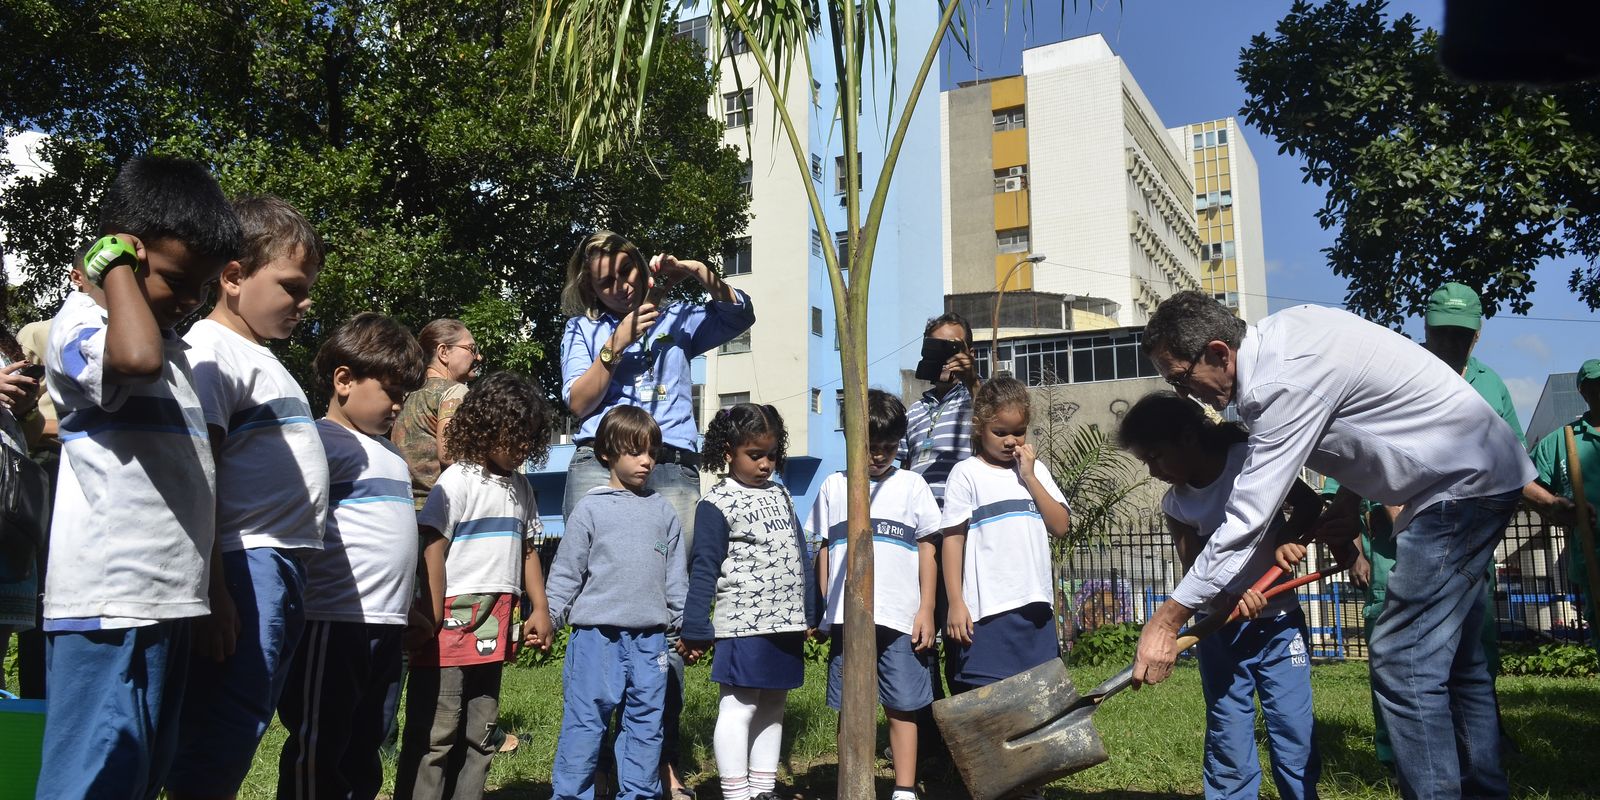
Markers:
point(749, 731)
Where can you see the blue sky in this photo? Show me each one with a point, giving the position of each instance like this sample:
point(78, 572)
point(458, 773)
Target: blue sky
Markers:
point(1183, 55)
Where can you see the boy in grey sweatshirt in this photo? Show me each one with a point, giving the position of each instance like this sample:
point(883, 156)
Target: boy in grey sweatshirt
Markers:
point(619, 580)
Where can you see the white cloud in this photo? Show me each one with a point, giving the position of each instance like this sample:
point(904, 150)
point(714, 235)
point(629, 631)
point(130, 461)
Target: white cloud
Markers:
point(1524, 395)
point(1274, 266)
point(1532, 346)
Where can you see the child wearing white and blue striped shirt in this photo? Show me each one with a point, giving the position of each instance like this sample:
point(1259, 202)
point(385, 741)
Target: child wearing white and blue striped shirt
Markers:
point(346, 669)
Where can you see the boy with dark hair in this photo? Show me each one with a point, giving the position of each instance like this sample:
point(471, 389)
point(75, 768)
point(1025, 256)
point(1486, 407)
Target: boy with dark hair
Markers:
point(358, 588)
point(272, 498)
point(135, 506)
point(619, 578)
point(905, 527)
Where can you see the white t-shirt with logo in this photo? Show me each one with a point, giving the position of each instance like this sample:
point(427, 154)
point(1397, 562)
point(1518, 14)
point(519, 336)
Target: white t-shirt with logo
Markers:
point(486, 517)
point(272, 475)
point(1006, 563)
point(1204, 509)
point(368, 563)
point(903, 513)
point(135, 508)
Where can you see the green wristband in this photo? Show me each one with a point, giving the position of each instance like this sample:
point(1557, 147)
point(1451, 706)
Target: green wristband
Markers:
point(105, 254)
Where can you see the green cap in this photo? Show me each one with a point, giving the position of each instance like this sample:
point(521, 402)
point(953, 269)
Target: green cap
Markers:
point(1589, 371)
point(1454, 305)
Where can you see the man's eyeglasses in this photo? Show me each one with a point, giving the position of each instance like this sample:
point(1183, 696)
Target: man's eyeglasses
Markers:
point(1181, 380)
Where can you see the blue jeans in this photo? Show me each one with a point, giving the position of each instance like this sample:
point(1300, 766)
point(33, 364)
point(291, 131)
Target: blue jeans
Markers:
point(111, 718)
point(1428, 668)
point(680, 485)
point(1266, 657)
point(607, 668)
point(228, 706)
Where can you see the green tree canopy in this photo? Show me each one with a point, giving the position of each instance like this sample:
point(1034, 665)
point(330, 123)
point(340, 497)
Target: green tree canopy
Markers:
point(404, 130)
point(1428, 179)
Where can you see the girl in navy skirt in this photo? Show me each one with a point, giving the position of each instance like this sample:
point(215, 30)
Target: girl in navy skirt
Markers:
point(1000, 508)
point(750, 556)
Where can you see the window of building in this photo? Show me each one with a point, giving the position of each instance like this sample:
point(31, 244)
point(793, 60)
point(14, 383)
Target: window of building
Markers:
point(816, 167)
point(1222, 136)
point(1071, 359)
point(838, 405)
point(1011, 179)
point(1012, 240)
point(816, 401)
point(841, 242)
point(816, 93)
point(697, 30)
point(696, 396)
point(736, 345)
point(1227, 249)
point(732, 399)
point(736, 259)
point(746, 178)
point(1199, 141)
point(1010, 119)
point(1200, 202)
point(1211, 138)
point(839, 186)
point(736, 108)
point(816, 243)
point(736, 43)
point(816, 321)
point(1227, 198)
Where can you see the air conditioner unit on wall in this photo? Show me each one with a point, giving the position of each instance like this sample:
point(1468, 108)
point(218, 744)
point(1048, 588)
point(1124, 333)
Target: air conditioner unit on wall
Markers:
point(1005, 368)
point(1016, 184)
point(1017, 171)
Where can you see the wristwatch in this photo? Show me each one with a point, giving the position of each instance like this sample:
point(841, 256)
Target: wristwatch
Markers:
point(608, 357)
point(103, 255)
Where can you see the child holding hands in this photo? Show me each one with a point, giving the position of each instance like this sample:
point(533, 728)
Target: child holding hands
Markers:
point(619, 579)
point(478, 529)
point(750, 555)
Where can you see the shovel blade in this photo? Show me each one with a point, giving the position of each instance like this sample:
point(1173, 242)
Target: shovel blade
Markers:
point(1020, 733)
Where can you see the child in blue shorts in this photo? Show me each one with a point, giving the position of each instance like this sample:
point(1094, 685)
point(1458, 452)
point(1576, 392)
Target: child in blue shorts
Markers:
point(619, 579)
point(346, 669)
point(272, 497)
point(904, 517)
point(135, 503)
point(1265, 655)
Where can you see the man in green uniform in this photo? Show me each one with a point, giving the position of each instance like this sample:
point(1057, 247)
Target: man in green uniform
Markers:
point(1451, 327)
point(1550, 459)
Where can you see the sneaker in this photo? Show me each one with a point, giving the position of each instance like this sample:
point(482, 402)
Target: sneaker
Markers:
point(903, 794)
point(766, 796)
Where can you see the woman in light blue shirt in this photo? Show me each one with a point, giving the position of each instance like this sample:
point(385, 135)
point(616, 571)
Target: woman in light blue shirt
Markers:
point(621, 346)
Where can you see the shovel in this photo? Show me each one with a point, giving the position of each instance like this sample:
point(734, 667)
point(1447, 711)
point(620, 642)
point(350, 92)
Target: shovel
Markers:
point(1034, 727)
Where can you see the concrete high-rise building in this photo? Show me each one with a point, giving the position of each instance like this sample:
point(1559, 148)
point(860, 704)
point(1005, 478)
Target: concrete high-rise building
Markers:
point(1069, 161)
point(1227, 204)
point(791, 357)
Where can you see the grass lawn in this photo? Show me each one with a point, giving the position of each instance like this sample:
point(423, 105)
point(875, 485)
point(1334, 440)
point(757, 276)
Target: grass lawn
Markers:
point(1154, 736)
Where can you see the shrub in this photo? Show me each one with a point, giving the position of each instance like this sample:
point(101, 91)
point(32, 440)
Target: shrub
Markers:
point(1564, 660)
point(1107, 645)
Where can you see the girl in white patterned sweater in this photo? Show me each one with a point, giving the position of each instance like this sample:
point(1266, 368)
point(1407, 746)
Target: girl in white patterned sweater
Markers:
point(750, 555)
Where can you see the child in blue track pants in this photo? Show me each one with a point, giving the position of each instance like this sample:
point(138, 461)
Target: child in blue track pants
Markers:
point(1263, 656)
point(619, 578)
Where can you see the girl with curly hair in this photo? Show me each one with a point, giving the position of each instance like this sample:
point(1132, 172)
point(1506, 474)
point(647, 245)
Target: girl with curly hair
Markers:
point(478, 527)
point(750, 555)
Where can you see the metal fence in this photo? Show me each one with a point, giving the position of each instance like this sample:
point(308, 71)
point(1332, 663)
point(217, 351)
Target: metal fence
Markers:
point(1127, 578)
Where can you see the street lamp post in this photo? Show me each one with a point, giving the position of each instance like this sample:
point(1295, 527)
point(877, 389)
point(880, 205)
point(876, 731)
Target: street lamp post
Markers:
point(999, 295)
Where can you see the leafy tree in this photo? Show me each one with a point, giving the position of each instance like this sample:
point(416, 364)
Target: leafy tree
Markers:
point(404, 130)
point(1428, 180)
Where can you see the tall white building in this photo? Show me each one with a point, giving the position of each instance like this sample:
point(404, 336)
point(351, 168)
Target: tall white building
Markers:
point(790, 358)
point(1069, 161)
point(1227, 204)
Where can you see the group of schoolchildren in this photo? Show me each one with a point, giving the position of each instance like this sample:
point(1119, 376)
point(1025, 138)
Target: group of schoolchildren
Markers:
point(221, 554)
